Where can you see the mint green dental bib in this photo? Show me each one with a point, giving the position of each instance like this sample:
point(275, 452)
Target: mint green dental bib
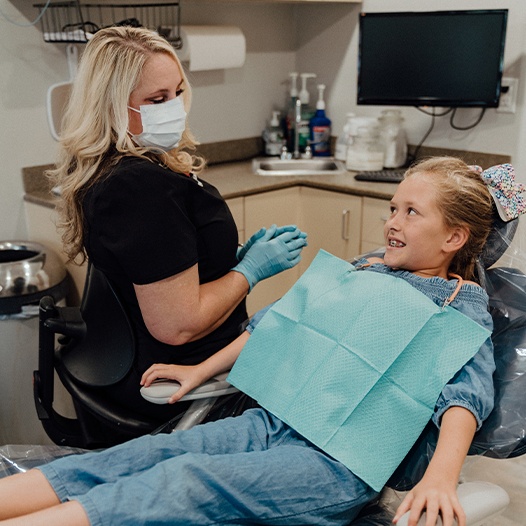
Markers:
point(354, 361)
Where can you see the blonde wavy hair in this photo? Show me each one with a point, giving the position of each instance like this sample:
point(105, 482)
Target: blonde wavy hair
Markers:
point(94, 134)
point(465, 201)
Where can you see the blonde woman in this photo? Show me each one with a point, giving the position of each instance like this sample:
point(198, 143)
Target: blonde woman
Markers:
point(133, 203)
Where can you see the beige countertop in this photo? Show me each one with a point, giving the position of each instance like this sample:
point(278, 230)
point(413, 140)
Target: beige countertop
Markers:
point(234, 179)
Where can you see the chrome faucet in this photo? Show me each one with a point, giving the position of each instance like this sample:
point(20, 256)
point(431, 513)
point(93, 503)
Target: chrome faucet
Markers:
point(297, 122)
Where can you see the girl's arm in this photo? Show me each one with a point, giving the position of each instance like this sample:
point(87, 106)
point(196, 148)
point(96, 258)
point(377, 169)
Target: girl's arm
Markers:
point(191, 376)
point(436, 493)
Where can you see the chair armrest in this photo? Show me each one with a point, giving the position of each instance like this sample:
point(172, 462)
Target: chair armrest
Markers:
point(161, 390)
point(480, 500)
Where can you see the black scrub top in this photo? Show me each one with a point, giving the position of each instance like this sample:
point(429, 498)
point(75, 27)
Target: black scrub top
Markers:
point(143, 223)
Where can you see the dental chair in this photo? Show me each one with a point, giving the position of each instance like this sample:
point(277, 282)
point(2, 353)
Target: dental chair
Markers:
point(97, 349)
point(503, 434)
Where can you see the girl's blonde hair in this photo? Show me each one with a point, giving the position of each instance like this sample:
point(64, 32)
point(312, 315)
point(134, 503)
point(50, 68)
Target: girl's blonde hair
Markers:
point(465, 201)
point(94, 132)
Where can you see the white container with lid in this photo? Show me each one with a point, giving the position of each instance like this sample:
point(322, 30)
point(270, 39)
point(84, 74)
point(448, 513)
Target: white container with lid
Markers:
point(366, 153)
point(350, 131)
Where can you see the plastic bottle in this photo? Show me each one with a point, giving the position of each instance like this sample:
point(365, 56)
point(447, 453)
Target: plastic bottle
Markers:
point(307, 112)
point(320, 128)
point(273, 135)
point(344, 139)
point(394, 138)
point(290, 114)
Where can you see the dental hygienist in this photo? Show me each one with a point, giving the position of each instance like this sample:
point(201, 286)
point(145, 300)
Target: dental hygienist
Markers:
point(133, 203)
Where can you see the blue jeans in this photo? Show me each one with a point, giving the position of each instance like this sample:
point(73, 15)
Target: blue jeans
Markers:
point(251, 469)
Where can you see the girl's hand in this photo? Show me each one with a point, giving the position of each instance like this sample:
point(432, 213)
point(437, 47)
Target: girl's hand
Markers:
point(436, 498)
point(188, 376)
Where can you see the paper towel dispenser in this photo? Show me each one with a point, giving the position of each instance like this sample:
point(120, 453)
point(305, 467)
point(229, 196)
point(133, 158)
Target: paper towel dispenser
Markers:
point(212, 47)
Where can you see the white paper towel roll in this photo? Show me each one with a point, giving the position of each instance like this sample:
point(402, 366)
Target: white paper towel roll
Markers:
point(212, 47)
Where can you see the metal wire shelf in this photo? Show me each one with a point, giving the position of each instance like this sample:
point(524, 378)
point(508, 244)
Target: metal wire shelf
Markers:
point(74, 22)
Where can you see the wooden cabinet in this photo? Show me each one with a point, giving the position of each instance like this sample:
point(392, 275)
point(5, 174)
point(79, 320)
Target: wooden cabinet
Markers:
point(332, 221)
point(375, 214)
point(281, 207)
point(342, 224)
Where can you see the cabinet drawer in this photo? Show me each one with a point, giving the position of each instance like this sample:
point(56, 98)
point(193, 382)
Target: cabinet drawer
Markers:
point(375, 214)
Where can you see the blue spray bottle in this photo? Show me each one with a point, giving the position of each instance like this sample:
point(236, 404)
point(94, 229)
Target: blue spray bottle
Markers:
point(320, 128)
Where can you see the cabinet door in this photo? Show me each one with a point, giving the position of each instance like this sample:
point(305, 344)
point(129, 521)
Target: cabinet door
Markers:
point(332, 221)
point(280, 207)
point(375, 214)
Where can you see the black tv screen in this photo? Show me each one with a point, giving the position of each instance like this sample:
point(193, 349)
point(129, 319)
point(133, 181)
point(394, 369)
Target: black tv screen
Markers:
point(439, 58)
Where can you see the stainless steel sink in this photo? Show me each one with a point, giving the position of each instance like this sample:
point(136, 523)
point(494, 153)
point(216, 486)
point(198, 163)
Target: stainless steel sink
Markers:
point(317, 166)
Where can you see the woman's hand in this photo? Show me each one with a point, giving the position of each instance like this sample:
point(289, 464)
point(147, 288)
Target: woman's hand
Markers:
point(188, 376)
point(436, 498)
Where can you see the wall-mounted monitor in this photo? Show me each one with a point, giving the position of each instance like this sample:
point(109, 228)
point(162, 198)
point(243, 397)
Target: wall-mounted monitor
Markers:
point(439, 58)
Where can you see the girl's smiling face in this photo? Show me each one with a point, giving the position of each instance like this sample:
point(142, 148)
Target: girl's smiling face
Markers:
point(416, 236)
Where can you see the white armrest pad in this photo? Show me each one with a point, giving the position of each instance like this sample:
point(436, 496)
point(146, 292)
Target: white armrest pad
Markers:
point(480, 500)
point(161, 390)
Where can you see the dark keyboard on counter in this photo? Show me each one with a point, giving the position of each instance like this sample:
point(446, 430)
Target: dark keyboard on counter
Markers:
point(381, 176)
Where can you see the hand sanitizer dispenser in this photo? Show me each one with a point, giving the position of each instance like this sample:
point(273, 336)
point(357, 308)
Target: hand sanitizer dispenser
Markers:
point(320, 128)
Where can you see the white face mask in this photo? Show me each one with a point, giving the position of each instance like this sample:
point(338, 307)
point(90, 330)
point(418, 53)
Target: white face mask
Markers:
point(162, 124)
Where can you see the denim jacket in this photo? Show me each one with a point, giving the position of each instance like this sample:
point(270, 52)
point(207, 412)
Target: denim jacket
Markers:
point(472, 386)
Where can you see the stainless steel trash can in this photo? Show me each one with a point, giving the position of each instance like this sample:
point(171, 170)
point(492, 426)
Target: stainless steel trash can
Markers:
point(28, 271)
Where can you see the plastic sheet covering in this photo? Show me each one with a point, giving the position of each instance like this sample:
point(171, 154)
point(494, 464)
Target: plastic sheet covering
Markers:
point(18, 459)
point(503, 434)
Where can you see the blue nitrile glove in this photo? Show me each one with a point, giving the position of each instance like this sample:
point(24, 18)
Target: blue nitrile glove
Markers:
point(271, 254)
point(242, 250)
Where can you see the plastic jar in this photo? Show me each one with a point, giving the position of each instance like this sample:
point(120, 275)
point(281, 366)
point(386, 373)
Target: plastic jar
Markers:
point(366, 153)
point(394, 138)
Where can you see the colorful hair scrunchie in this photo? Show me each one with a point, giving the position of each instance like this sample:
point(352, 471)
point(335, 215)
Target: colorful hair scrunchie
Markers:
point(506, 192)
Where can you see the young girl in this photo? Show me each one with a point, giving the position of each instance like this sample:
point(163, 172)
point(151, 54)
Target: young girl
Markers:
point(255, 469)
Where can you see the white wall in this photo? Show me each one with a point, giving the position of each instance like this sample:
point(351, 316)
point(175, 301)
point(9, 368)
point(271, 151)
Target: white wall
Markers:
point(235, 103)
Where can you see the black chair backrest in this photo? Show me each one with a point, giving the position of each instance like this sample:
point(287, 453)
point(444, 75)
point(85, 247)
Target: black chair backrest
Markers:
point(107, 351)
point(503, 434)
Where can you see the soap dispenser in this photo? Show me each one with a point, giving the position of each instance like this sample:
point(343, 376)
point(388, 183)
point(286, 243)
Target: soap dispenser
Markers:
point(307, 112)
point(290, 114)
point(320, 128)
point(273, 136)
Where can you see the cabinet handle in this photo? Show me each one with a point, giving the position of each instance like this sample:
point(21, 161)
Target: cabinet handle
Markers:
point(345, 225)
